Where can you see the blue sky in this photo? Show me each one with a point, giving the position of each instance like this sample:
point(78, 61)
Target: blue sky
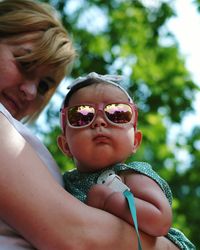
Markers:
point(186, 28)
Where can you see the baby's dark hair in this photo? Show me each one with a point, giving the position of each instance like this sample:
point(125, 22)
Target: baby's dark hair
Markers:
point(85, 83)
point(94, 78)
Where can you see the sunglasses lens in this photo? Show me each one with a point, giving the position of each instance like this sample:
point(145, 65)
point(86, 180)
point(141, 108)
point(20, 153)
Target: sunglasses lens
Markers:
point(119, 113)
point(80, 116)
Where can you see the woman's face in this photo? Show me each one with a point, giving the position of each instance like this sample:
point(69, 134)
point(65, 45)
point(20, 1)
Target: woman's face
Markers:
point(21, 92)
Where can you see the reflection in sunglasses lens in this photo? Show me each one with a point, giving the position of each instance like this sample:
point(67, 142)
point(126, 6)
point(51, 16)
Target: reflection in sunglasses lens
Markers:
point(118, 113)
point(80, 115)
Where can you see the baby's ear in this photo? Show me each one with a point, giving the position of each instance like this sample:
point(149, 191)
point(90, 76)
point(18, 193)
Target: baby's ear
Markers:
point(137, 140)
point(63, 145)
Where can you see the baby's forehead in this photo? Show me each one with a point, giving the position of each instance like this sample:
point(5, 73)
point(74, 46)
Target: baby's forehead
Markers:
point(96, 84)
point(101, 88)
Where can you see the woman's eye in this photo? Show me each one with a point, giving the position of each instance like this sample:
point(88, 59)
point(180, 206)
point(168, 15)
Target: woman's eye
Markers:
point(43, 87)
point(24, 66)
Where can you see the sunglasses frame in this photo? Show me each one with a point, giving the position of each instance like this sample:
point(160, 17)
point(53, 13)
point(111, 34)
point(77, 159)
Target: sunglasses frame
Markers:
point(98, 107)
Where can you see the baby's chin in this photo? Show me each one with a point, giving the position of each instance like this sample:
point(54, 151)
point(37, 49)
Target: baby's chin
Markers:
point(96, 167)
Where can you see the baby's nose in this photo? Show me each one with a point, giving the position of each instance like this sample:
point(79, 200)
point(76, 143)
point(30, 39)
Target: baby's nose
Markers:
point(99, 121)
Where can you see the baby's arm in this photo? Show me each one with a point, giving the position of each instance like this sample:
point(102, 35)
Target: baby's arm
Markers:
point(153, 210)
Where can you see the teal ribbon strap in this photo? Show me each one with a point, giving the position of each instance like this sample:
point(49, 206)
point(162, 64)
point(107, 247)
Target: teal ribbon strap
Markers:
point(130, 198)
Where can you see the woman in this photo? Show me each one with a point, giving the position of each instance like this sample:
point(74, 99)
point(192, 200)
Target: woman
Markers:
point(35, 211)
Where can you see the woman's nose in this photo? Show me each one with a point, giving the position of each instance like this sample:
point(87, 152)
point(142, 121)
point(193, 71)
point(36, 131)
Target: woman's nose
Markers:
point(99, 121)
point(29, 90)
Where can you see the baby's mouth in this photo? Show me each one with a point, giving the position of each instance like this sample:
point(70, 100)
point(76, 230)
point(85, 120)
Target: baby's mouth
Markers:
point(101, 138)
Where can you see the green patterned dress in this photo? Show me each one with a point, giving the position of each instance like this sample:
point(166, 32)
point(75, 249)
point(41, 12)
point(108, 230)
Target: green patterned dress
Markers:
point(78, 184)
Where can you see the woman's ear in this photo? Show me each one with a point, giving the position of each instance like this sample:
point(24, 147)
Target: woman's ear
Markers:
point(63, 145)
point(137, 140)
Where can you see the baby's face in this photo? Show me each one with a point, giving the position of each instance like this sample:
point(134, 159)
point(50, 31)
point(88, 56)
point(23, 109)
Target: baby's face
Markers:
point(101, 143)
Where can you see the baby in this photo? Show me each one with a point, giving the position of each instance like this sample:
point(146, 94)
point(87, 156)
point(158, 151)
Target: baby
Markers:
point(99, 131)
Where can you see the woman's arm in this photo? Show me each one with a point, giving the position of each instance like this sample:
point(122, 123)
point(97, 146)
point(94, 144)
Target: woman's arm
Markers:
point(45, 214)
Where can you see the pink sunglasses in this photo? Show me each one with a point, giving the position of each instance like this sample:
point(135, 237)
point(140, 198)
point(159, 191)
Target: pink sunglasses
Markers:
point(83, 115)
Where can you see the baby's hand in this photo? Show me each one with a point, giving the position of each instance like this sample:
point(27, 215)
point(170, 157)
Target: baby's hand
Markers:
point(103, 197)
point(98, 195)
point(109, 187)
point(113, 181)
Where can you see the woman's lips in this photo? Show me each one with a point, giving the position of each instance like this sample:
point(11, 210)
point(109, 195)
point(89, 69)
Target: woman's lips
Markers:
point(11, 104)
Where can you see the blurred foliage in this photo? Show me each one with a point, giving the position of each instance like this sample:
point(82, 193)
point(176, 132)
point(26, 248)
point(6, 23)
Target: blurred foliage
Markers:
point(197, 2)
point(126, 37)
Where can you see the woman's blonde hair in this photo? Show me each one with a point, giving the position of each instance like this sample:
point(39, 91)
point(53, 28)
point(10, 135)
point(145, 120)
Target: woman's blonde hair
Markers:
point(25, 20)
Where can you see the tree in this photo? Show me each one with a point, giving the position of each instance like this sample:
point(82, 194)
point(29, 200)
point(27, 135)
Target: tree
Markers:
point(130, 38)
